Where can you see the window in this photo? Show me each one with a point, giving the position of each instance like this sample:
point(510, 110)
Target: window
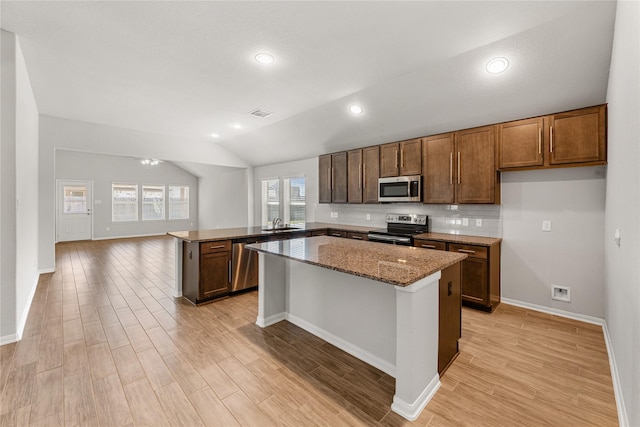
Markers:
point(294, 206)
point(124, 206)
point(178, 202)
point(75, 199)
point(152, 202)
point(291, 207)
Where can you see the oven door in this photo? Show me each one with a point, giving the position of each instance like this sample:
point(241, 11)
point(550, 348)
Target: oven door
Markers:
point(400, 189)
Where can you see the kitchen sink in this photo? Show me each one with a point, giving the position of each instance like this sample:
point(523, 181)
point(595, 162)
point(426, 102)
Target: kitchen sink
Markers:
point(281, 229)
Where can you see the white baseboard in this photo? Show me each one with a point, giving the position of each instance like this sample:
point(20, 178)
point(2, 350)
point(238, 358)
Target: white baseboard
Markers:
point(411, 411)
point(47, 270)
point(549, 310)
point(263, 322)
point(353, 350)
point(27, 308)
point(8, 339)
point(129, 237)
point(622, 411)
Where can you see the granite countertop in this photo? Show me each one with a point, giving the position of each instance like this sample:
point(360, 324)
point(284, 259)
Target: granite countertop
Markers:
point(244, 232)
point(459, 238)
point(396, 265)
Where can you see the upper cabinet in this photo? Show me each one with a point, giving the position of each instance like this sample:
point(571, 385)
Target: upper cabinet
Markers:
point(401, 158)
point(332, 178)
point(354, 176)
point(572, 138)
point(460, 167)
point(370, 174)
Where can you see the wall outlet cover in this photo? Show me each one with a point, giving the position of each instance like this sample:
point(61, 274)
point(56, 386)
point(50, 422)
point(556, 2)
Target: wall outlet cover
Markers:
point(368, 217)
point(465, 222)
point(561, 293)
point(546, 225)
point(478, 222)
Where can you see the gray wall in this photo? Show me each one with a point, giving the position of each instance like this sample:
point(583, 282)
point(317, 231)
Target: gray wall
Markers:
point(223, 199)
point(19, 200)
point(571, 254)
point(622, 275)
point(104, 170)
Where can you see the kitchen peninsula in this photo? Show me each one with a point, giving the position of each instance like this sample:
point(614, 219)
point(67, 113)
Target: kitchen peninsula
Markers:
point(377, 302)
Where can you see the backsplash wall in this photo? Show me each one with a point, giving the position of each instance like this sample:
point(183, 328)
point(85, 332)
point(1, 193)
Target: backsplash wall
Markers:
point(442, 218)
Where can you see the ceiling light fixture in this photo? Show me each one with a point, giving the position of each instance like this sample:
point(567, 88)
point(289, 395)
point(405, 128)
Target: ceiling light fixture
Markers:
point(236, 125)
point(264, 58)
point(215, 135)
point(356, 109)
point(149, 162)
point(497, 65)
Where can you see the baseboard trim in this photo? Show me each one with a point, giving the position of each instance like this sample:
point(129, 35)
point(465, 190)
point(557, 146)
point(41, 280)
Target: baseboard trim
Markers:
point(47, 270)
point(27, 308)
point(263, 322)
point(617, 389)
point(411, 411)
point(8, 339)
point(555, 311)
point(129, 237)
point(353, 350)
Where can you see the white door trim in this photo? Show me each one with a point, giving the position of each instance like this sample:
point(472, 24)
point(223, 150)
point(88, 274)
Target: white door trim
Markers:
point(89, 183)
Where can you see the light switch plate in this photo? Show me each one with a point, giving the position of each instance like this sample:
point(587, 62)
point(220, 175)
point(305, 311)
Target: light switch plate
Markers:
point(465, 221)
point(546, 225)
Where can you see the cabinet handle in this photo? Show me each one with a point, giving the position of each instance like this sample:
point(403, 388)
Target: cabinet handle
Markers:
point(551, 139)
point(329, 184)
point(451, 168)
point(359, 176)
point(216, 247)
point(428, 246)
point(336, 234)
point(458, 167)
point(402, 158)
point(540, 141)
point(364, 174)
point(466, 251)
point(356, 237)
point(333, 178)
point(229, 271)
point(396, 159)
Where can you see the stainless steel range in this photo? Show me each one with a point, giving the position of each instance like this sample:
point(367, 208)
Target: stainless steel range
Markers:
point(400, 229)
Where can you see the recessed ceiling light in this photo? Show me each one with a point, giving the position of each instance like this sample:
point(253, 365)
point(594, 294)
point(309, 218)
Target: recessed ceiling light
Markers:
point(497, 65)
point(356, 109)
point(236, 125)
point(264, 58)
point(215, 135)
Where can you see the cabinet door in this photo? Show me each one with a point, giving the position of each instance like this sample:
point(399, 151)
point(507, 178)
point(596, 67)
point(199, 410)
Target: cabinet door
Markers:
point(339, 176)
point(438, 160)
point(520, 143)
point(411, 157)
point(357, 236)
point(476, 170)
point(371, 173)
point(214, 274)
point(354, 176)
point(474, 281)
point(324, 179)
point(578, 136)
point(337, 233)
point(430, 244)
point(389, 159)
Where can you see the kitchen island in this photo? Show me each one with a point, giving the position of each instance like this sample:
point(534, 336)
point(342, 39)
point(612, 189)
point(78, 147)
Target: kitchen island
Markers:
point(377, 302)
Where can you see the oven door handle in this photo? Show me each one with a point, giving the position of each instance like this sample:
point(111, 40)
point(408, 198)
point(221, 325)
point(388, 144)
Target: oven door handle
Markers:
point(388, 238)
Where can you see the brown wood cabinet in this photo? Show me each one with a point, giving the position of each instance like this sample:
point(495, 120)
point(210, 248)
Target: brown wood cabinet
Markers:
point(450, 316)
point(401, 158)
point(520, 143)
point(332, 178)
point(572, 138)
point(430, 244)
point(357, 236)
point(354, 176)
point(460, 167)
point(206, 270)
point(371, 173)
point(480, 276)
point(337, 233)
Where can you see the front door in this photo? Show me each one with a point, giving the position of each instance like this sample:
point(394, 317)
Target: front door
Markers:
point(74, 211)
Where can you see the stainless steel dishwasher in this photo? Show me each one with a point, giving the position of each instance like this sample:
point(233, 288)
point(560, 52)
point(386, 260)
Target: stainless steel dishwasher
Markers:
point(244, 266)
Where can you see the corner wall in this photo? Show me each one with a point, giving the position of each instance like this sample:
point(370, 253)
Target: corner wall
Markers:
point(19, 201)
point(622, 269)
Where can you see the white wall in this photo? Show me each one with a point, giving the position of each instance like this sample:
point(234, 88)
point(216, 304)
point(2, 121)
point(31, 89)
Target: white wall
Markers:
point(622, 275)
point(58, 133)
point(223, 198)
point(105, 170)
point(571, 254)
point(19, 191)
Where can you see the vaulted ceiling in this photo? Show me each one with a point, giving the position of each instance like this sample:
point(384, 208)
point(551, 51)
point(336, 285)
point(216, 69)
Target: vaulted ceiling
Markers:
point(187, 69)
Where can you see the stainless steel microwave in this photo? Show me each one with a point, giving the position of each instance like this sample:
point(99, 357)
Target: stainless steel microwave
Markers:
point(400, 189)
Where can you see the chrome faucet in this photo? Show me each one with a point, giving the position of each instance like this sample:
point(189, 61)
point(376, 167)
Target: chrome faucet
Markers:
point(276, 222)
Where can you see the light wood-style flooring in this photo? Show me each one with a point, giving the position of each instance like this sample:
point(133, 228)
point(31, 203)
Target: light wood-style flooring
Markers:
point(107, 344)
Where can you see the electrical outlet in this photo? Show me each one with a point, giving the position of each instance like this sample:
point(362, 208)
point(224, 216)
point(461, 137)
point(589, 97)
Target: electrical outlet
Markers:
point(368, 217)
point(546, 225)
point(465, 222)
point(561, 293)
point(478, 222)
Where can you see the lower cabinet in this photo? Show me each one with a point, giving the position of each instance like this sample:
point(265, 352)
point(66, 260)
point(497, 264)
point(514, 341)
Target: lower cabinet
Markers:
point(206, 270)
point(357, 236)
point(480, 276)
point(337, 233)
point(450, 321)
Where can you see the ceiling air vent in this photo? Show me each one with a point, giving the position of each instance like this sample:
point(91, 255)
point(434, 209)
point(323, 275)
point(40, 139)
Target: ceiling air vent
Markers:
point(260, 113)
